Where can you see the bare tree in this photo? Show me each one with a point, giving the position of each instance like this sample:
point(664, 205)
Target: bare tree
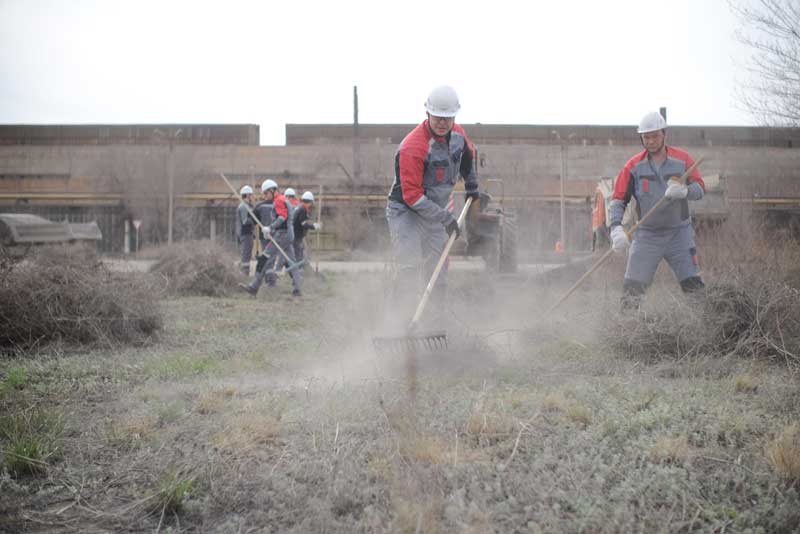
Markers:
point(770, 29)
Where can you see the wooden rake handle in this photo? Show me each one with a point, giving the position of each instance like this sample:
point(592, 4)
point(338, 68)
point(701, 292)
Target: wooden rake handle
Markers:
point(429, 289)
point(258, 223)
point(629, 233)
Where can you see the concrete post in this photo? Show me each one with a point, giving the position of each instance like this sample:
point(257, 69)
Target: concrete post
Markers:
point(126, 245)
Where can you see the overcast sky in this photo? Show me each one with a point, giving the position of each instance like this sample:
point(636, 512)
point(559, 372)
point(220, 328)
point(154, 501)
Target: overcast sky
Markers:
point(277, 62)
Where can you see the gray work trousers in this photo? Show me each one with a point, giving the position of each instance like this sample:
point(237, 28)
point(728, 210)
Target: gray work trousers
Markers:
point(272, 254)
point(417, 245)
point(299, 250)
point(246, 244)
point(649, 247)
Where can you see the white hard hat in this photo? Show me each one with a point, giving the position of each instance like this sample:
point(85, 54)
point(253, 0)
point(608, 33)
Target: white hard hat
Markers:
point(289, 192)
point(651, 122)
point(267, 185)
point(443, 102)
point(246, 190)
point(308, 196)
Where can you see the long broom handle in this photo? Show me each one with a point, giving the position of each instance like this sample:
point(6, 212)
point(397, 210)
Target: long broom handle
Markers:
point(319, 233)
point(429, 289)
point(253, 215)
point(629, 234)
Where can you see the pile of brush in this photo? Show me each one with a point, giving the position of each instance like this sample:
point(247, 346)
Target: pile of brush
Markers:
point(65, 293)
point(198, 268)
point(736, 316)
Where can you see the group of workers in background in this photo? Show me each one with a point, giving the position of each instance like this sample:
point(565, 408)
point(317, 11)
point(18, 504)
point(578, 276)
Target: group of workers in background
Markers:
point(420, 216)
point(282, 225)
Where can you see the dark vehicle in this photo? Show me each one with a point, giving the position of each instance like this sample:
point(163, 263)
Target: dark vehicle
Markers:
point(492, 232)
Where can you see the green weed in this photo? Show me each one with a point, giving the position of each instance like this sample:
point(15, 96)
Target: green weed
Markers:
point(173, 490)
point(15, 379)
point(182, 365)
point(29, 441)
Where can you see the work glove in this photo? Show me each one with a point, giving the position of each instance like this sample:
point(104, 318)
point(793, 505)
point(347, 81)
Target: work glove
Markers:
point(474, 195)
point(318, 226)
point(266, 230)
point(451, 225)
point(619, 239)
point(676, 190)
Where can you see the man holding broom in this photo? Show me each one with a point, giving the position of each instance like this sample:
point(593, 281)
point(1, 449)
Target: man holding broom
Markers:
point(668, 233)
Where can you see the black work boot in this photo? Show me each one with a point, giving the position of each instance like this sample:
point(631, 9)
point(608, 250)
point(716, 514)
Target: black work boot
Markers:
point(249, 289)
point(632, 295)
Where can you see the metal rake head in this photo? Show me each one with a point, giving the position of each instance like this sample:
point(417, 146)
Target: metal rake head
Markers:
point(296, 265)
point(420, 342)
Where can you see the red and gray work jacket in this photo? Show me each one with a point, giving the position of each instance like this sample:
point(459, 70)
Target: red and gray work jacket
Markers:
point(427, 167)
point(281, 211)
point(640, 178)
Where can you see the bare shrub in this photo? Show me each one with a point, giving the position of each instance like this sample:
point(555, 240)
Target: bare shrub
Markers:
point(199, 268)
point(737, 316)
point(750, 308)
point(747, 244)
point(67, 294)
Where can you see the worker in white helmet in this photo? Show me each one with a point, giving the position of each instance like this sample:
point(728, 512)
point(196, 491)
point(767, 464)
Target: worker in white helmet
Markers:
point(301, 219)
point(244, 228)
point(668, 234)
point(263, 208)
point(427, 165)
point(291, 197)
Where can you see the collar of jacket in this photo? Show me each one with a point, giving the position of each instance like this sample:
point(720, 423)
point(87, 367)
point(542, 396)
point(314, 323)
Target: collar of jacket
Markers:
point(439, 139)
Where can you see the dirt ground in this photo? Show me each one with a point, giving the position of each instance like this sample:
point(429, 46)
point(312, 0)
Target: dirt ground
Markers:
point(276, 415)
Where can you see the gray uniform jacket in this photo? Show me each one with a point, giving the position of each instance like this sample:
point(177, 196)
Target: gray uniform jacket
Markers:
point(640, 178)
point(427, 168)
point(244, 223)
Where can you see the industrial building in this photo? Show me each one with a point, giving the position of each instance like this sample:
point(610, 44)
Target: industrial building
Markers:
point(118, 174)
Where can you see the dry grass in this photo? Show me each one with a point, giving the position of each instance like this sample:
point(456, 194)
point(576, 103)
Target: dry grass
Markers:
point(670, 449)
point(783, 453)
point(600, 444)
point(489, 424)
point(745, 383)
point(199, 268)
point(424, 449)
point(66, 294)
point(579, 414)
point(131, 430)
point(214, 401)
point(555, 401)
point(248, 432)
point(413, 517)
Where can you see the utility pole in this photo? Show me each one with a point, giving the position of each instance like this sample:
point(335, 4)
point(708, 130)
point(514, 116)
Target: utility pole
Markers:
point(171, 137)
point(564, 150)
point(171, 177)
point(561, 183)
point(356, 136)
